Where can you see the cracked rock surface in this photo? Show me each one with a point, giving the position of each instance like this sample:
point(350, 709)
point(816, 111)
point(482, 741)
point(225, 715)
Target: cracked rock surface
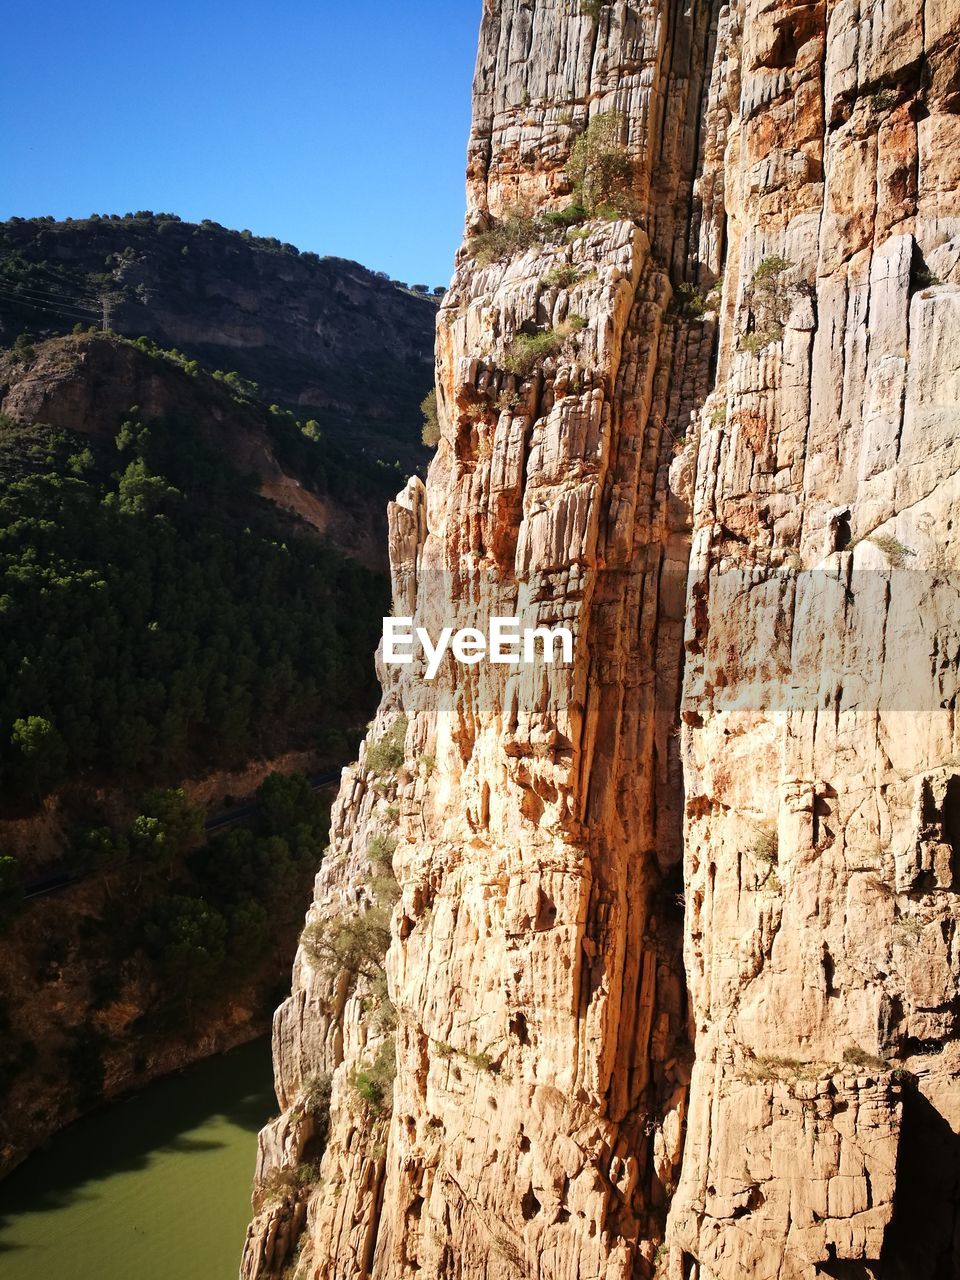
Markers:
point(671, 982)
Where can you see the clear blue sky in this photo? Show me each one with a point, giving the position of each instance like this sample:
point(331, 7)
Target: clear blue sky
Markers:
point(340, 127)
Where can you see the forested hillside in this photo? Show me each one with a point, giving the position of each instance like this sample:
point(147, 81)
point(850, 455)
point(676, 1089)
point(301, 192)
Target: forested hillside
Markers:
point(322, 336)
point(147, 632)
point(161, 613)
point(191, 590)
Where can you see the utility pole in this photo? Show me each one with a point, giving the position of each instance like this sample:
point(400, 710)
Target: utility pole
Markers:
point(108, 300)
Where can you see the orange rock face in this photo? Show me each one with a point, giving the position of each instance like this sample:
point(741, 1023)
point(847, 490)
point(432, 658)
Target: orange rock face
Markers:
point(661, 944)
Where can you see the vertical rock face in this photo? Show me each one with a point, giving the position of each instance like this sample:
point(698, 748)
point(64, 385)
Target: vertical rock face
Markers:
point(819, 735)
point(763, 358)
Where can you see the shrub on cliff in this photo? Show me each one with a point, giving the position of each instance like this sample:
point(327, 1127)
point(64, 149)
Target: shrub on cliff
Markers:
point(380, 851)
point(688, 301)
point(515, 233)
point(431, 420)
point(315, 1100)
point(527, 349)
point(356, 945)
point(374, 1083)
point(564, 276)
point(386, 755)
point(600, 169)
point(315, 1094)
point(593, 8)
point(768, 298)
point(895, 550)
point(571, 216)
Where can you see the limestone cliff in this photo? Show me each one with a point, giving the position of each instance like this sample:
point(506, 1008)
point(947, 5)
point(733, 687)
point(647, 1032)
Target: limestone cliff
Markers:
point(749, 359)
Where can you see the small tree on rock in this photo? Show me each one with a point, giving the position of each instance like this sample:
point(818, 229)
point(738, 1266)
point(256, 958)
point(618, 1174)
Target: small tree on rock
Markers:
point(600, 169)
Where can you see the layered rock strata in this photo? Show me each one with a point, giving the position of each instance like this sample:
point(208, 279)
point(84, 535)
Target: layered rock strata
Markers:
point(760, 363)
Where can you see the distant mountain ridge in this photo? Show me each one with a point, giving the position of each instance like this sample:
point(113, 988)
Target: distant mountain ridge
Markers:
point(323, 336)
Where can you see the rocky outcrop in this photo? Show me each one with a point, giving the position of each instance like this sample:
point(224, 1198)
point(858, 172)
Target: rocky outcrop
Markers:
point(757, 369)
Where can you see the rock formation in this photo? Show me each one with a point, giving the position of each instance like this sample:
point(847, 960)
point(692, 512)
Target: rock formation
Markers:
point(749, 362)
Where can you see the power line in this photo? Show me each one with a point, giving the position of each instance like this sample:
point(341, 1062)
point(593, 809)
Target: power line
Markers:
point(45, 290)
point(72, 314)
point(57, 299)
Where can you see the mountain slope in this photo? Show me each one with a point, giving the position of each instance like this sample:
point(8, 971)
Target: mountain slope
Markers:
point(322, 336)
point(183, 604)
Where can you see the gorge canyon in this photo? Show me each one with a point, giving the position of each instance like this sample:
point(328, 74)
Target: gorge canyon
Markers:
point(647, 965)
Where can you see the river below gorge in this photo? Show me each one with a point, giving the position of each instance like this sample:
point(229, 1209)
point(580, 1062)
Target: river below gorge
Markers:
point(152, 1187)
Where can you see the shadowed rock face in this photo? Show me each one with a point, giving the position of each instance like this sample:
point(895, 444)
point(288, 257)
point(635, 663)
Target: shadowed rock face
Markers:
point(744, 503)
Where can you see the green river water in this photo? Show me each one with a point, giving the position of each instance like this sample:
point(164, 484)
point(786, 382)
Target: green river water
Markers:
point(155, 1187)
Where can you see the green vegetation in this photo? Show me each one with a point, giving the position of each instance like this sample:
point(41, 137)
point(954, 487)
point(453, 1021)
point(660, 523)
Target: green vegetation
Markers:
point(600, 169)
point(374, 1083)
point(316, 1093)
point(564, 276)
point(386, 755)
point(854, 1056)
point(187, 937)
point(527, 349)
point(689, 302)
point(42, 751)
point(516, 233)
point(756, 341)
point(507, 401)
point(78, 275)
point(180, 926)
point(766, 846)
point(593, 8)
point(883, 99)
point(156, 616)
point(431, 421)
point(571, 216)
point(315, 1101)
point(380, 851)
point(909, 928)
point(769, 272)
point(355, 945)
point(895, 551)
point(921, 277)
point(480, 1061)
point(768, 298)
point(209, 909)
point(774, 1067)
point(519, 231)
